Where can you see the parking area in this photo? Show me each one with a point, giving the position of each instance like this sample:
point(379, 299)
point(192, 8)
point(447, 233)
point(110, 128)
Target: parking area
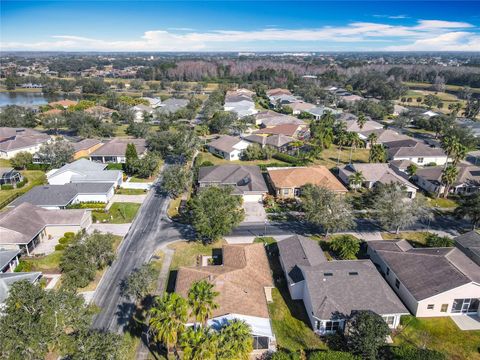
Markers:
point(254, 212)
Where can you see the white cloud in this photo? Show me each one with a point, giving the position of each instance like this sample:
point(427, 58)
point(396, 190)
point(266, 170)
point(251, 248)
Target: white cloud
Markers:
point(433, 34)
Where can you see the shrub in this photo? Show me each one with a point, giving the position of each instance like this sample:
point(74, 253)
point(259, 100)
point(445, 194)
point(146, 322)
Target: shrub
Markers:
point(284, 355)
point(23, 266)
point(89, 205)
point(206, 163)
point(69, 235)
point(331, 355)
point(115, 166)
point(42, 167)
point(290, 159)
point(412, 353)
point(7, 187)
point(63, 240)
point(60, 247)
point(345, 246)
point(22, 183)
point(434, 240)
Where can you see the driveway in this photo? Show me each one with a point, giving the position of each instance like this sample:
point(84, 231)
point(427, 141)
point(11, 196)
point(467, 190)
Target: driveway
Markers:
point(254, 212)
point(115, 229)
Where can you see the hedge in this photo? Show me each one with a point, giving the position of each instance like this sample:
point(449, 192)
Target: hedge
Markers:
point(289, 159)
point(42, 167)
point(22, 183)
point(91, 205)
point(115, 166)
point(7, 187)
point(60, 247)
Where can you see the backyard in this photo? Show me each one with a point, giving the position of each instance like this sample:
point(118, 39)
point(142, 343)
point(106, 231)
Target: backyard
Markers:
point(187, 252)
point(119, 213)
point(418, 238)
point(34, 177)
point(440, 334)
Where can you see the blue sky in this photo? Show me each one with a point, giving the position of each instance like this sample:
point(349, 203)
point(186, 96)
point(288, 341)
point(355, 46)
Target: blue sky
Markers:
point(240, 25)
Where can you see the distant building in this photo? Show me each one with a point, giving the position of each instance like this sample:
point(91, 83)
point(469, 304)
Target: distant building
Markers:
point(228, 147)
point(15, 140)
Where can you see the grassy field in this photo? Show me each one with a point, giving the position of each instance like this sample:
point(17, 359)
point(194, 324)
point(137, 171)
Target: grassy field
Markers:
point(186, 253)
point(329, 156)
point(119, 213)
point(444, 203)
point(416, 237)
point(206, 156)
point(35, 178)
point(141, 180)
point(421, 85)
point(440, 334)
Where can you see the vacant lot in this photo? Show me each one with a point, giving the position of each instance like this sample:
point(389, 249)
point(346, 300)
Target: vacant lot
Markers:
point(119, 213)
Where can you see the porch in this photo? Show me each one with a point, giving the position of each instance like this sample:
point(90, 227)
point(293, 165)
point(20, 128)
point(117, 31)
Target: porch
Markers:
point(467, 322)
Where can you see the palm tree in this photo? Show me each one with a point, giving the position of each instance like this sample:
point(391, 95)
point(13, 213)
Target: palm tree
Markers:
point(449, 175)
point(168, 316)
point(377, 154)
point(412, 169)
point(361, 120)
point(453, 148)
point(355, 141)
point(372, 139)
point(356, 180)
point(342, 140)
point(455, 108)
point(201, 300)
point(199, 344)
point(235, 341)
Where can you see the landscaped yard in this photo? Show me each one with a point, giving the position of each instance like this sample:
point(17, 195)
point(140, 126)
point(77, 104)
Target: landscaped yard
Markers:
point(119, 213)
point(439, 334)
point(34, 177)
point(122, 191)
point(444, 203)
point(329, 156)
point(417, 237)
point(186, 253)
point(173, 207)
point(206, 156)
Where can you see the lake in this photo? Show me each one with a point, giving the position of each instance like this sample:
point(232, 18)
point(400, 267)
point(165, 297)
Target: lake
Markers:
point(25, 99)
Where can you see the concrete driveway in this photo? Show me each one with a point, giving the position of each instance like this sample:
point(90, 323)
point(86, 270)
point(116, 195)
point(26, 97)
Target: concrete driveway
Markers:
point(254, 212)
point(115, 229)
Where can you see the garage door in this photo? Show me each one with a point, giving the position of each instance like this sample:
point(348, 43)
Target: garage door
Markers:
point(252, 198)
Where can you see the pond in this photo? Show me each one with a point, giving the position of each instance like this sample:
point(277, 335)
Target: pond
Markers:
point(25, 99)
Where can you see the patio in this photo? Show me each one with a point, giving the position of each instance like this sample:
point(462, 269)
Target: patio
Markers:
point(467, 322)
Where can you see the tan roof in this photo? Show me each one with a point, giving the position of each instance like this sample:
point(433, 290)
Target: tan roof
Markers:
point(278, 91)
point(99, 110)
point(53, 112)
point(282, 129)
point(240, 281)
point(118, 147)
point(64, 103)
point(301, 106)
point(296, 177)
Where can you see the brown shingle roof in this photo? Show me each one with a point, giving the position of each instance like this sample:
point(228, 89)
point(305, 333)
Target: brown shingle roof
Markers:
point(296, 177)
point(282, 129)
point(240, 281)
point(64, 103)
point(118, 147)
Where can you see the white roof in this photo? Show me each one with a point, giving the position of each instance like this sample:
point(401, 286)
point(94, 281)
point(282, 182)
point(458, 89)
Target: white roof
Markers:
point(430, 113)
point(260, 326)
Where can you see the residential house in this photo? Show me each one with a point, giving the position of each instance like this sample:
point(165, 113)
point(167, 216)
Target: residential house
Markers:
point(9, 260)
point(10, 176)
point(333, 291)
point(299, 106)
point(85, 147)
point(228, 147)
point(15, 140)
point(298, 131)
point(416, 152)
point(429, 114)
point(26, 225)
point(65, 104)
point(467, 181)
point(53, 112)
point(398, 110)
point(383, 136)
point(430, 281)
point(84, 171)
point(287, 182)
point(280, 96)
point(374, 174)
point(241, 102)
point(271, 118)
point(61, 196)
point(350, 98)
point(244, 283)
point(280, 143)
point(246, 180)
point(370, 125)
point(114, 150)
point(401, 165)
point(100, 112)
point(171, 105)
point(140, 110)
point(153, 102)
point(469, 244)
point(317, 112)
point(10, 278)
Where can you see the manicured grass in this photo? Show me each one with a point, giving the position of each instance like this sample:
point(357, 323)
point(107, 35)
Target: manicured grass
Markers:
point(140, 180)
point(34, 177)
point(329, 156)
point(419, 238)
point(5, 163)
point(48, 263)
point(186, 253)
point(173, 207)
point(265, 240)
point(445, 203)
point(440, 334)
point(119, 213)
point(291, 333)
point(206, 156)
point(120, 130)
point(122, 191)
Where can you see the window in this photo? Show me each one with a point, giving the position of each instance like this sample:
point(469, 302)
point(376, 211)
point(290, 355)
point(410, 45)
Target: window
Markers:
point(397, 283)
point(390, 320)
point(465, 305)
point(332, 325)
point(388, 271)
point(444, 308)
point(420, 160)
point(430, 306)
point(260, 342)
point(286, 191)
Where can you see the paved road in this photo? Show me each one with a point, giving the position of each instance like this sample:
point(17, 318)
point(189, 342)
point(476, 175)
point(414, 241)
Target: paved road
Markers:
point(147, 232)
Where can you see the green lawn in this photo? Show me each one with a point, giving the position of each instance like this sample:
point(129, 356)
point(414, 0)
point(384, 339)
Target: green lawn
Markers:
point(119, 213)
point(444, 203)
point(49, 263)
point(35, 177)
point(173, 207)
point(329, 156)
point(447, 87)
point(140, 180)
point(440, 334)
point(186, 253)
point(122, 191)
point(206, 156)
point(417, 237)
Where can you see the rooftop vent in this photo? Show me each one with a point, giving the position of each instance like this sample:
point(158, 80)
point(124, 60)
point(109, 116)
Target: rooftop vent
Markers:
point(353, 273)
point(328, 274)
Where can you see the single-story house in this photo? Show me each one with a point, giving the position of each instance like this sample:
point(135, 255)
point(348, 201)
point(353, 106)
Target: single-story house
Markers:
point(246, 180)
point(469, 243)
point(10, 176)
point(299, 106)
point(430, 281)
point(9, 260)
point(416, 152)
point(241, 106)
point(377, 173)
point(171, 105)
point(292, 130)
point(114, 150)
point(153, 102)
point(383, 136)
point(370, 125)
point(278, 142)
point(228, 147)
point(350, 98)
point(398, 110)
point(100, 112)
point(15, 140)
point(401, 165)
point(61, 196)
point(63, 103)
point(288, 181)
point(271, 118)
point(85, 147)
point(332, 291)
point(467, 182)
point(26, 225)
point(84, 171)
point(10, 278)
point(317, 112)
point(140, 110)
point(244, 283)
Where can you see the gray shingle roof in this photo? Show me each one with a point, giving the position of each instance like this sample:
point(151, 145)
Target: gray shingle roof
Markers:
point(8, 279)
point(60, 195)
point(6, 256)
point(427, 272)
point(338, 288)
point(81, 165)
point(85, 144)
point(408, 148)
point(118, 147)
point(172, 105)
point(245, 179)
point(467, 174)
point(469, 243)
point(298, 251)
point(272, 140)
point(225, 143)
